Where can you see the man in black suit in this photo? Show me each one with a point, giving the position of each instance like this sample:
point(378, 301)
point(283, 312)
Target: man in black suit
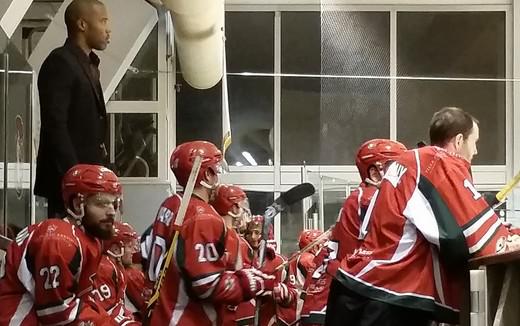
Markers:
point(72, 108)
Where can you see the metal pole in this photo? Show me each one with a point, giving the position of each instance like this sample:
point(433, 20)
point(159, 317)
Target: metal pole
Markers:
point(5, 93)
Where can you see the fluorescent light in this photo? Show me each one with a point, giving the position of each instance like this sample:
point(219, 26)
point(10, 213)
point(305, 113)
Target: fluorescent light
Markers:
point(238, 163)
point(249, 158)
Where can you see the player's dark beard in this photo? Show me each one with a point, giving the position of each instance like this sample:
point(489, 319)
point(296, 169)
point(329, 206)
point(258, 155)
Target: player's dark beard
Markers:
point(97, 231)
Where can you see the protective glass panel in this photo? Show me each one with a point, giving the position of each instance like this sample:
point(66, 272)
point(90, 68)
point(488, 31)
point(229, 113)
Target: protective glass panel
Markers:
point(452, 59)
point(16, 134)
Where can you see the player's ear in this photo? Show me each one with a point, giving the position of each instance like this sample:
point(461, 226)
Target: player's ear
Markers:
point(459, 140)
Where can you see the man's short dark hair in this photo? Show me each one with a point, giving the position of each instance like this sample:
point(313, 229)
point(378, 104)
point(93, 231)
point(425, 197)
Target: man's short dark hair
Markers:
point(447, 123)
point(75, 11)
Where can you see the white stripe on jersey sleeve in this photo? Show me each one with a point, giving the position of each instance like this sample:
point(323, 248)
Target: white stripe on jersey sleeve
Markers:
point(475, 226)
point(492, 230)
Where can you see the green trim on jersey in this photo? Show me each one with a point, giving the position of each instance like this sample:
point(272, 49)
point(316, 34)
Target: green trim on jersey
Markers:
point(453, 247)
point(439, 313)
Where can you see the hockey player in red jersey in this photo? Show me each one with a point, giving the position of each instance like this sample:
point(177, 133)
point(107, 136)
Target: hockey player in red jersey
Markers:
point(197, 283)
point(50, 266)
point(371, 159)
point(300, 266)
point(423, 224)
point(283, 294)
point(232, 204)
point(110, 283)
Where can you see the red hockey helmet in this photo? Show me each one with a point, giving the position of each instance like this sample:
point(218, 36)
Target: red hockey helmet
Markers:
point(308, 236)
point(228, 195)
point(124, 234)
point(89, 179)
point(376, 152)
point(183, 157)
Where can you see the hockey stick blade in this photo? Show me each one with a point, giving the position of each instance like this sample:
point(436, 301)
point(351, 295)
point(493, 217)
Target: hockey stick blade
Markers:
point(286, 199)
point(296, 193)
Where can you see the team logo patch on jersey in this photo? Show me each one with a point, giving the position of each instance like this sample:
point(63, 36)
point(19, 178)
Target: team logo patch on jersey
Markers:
point(394, 173)
point(51, 229)
point(500, 244)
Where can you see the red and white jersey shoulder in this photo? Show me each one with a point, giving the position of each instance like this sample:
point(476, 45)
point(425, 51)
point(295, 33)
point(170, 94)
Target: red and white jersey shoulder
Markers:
point(49, 273)
point(196, 283)
point(345, 234)
point(425, 219)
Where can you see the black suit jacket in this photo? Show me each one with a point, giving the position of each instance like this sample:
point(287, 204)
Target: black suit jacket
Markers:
point(73, 117)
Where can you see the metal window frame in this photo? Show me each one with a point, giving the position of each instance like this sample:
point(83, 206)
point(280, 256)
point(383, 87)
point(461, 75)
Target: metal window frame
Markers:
point(159, 107)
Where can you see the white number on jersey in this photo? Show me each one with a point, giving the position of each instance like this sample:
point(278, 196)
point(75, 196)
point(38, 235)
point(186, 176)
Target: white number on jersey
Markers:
point(468, 185)
point(102, 293)
point(207, 252)
point(51, 275)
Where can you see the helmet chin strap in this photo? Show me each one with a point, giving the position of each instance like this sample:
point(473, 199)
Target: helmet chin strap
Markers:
point(116, 256)
point(78, 217)
point(208, 186)
point(372, 182)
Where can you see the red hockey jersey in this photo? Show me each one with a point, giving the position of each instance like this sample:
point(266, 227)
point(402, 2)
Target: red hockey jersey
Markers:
point(268, 310)
point(134, 296)
point(297, 273)
point(109, 291)
point(422, 226)
point(196, 283)
point(343, 241)
point(49, 273)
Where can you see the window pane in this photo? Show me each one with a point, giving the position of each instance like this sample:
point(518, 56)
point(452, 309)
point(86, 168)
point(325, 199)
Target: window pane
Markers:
point(135, 142)
point(451, 45)
point(334, 112)
point(199, 113)
point(259, 200)
point(300, 98)
point(140, 80)
point(251, 99)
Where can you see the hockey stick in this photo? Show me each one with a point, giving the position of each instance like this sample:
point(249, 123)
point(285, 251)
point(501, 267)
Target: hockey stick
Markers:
point(308, 247)
point(504, 192)
point(286, 199)
point(4, 242)
point(179, 219)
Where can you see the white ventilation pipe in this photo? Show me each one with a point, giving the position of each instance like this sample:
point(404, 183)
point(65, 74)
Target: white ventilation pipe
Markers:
point(199, 36)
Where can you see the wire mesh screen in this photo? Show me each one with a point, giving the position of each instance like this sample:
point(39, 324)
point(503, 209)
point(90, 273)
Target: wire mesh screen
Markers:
point(355, 88)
